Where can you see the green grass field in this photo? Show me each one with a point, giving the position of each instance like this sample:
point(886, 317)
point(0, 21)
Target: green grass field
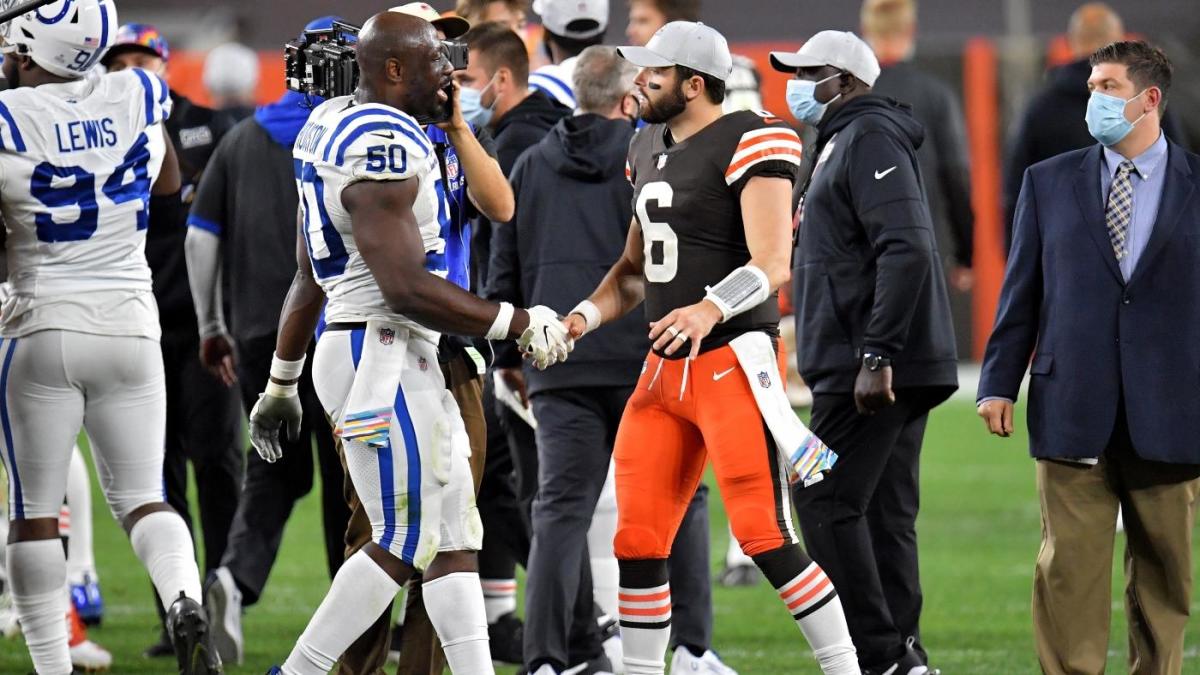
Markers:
point(978, 532)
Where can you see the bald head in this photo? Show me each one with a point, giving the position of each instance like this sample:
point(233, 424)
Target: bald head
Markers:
point(1093, 26)
point(401, 63)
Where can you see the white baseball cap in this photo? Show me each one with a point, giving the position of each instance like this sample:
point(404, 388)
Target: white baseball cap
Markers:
point(451, 26)
point(558, 15)
point(687, 44)
point(840, 49)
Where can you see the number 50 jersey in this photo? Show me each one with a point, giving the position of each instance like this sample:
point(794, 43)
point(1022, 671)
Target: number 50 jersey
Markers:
point(77, 161)
point(344, 143)
point(687, 199)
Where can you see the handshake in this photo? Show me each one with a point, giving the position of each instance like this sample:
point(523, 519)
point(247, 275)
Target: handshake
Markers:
point(547, 340)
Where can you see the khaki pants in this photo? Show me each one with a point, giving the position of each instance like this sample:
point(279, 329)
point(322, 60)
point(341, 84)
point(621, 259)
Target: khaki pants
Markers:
point(1071, 598)
point(420, 653)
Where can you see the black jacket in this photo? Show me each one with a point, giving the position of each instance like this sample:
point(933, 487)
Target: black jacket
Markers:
point(574, 207)
point(195, 132)
point(943, 157)
point(1053, 123)
point(517, 131)
point(867, 277)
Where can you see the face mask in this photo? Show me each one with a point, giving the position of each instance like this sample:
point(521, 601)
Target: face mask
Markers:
point(802, 100)
point(471, 102)
point(1106, 118)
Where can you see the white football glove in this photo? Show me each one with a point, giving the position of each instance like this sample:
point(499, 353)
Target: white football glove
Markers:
point(546, 340)
point(265, 418)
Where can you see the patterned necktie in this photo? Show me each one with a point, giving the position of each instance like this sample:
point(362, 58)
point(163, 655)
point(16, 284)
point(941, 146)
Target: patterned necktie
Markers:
point(1119, 211)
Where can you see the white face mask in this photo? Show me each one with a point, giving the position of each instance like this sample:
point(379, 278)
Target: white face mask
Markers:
point(471, 102)
point(802, 100)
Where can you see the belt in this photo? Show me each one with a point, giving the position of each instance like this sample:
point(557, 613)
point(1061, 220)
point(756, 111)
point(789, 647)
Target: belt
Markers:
point(345, 325)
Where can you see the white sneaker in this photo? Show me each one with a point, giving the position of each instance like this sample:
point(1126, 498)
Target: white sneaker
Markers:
point(9, 625)
point(89, 656)
point(223, 603)
point(709, 662)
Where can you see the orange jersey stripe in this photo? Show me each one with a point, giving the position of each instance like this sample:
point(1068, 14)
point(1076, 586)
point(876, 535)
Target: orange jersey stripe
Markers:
point(762, 154)
point(777, 136)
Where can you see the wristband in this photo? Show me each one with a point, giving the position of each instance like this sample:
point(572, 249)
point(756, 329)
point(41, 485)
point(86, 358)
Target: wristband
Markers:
point(281, 390)
point(286, 371)
point(500, 327)
point(590, 313)
point(743, 289)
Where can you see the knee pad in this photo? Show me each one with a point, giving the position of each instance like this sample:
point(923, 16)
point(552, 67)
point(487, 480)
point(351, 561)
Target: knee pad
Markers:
point(635, 542)
point(124, 502)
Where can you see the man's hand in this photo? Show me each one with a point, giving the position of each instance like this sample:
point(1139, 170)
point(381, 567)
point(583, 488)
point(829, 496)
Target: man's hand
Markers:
point(456, 123)
point(216, 353)
point(997, 414)
point(575, 324)
point(873, 390)
point(515, 379)
point(266, 417)
point(962, 278)
point(545, 341)
point(686, 324)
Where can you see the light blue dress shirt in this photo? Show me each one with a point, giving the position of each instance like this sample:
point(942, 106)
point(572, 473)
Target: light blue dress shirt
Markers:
point(1147, 179)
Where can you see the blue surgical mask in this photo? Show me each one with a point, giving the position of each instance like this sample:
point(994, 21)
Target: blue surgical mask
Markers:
point(802, 100)
point(471, 102)
point(1106, 118)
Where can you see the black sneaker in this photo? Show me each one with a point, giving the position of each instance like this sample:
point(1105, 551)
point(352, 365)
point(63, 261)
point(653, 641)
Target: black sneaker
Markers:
point(187, 624)
point(507, 639)
point(908, 664)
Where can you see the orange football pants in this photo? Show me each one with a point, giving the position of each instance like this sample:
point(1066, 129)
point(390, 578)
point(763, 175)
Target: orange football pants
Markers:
point(670, 428)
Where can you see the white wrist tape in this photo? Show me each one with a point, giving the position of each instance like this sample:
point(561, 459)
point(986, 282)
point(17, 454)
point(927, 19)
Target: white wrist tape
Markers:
point(744, 289)
point(284, 370)
point(590, 313)
point(500, 326)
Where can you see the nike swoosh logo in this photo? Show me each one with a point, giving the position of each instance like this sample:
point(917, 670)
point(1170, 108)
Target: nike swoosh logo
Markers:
point(389, 135)
point(717, 376)
point(881, 174)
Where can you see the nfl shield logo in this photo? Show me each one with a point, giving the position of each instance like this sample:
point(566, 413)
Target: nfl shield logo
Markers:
point(386, 336)
point(452, 168)
point(422, 364)
point(764, 380)
point(662, 161)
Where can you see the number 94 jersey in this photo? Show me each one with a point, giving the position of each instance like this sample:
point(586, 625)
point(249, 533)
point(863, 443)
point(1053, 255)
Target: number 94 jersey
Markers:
point(344, 143)
point(687, 199)
point(77, 161)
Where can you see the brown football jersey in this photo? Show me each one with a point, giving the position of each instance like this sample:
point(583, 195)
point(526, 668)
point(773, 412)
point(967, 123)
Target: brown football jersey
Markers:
point(687, 200)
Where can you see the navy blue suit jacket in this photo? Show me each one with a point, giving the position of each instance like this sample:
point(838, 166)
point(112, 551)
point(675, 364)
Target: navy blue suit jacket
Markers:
point(1094, 337)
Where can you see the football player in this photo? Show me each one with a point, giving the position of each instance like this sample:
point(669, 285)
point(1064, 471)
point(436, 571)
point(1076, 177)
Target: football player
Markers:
point(79, 334)
point(707, 250)
point(370, 241)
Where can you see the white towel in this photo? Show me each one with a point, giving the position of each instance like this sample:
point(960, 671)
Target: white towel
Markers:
point(807, 458)
point(369, 409)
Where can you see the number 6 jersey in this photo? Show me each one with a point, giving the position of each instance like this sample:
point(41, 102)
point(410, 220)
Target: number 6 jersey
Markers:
point(77, 160)
point(687, 199)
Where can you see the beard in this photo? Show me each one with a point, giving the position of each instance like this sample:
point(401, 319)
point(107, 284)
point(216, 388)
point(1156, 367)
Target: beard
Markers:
point(672, 103)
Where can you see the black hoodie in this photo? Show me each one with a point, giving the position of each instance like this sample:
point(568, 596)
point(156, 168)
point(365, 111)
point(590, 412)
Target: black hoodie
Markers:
point(574, 206)
point(867, 276)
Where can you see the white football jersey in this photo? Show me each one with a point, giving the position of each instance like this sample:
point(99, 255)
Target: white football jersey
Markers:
point(77, 161)
point(343, 143)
